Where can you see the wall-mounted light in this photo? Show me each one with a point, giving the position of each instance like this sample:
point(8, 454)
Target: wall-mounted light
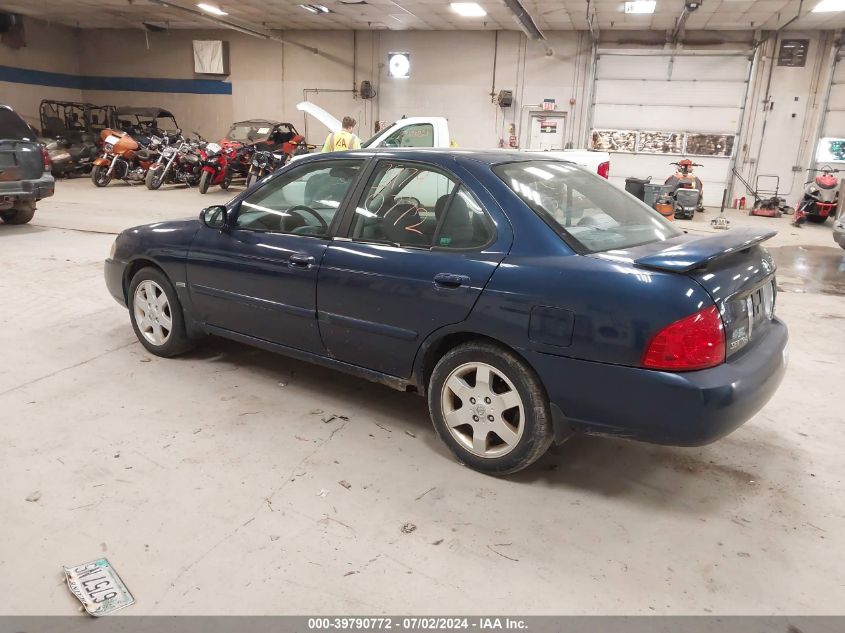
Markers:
point(468, 9)
point(399, 65)
point(641, 6)
point(210, 8)
point(316, 9)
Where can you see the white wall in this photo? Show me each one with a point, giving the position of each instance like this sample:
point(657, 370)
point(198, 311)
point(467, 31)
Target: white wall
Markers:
point(452, 75)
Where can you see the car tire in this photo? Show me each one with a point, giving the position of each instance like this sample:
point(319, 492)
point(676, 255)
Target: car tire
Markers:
point(511, 409)
point(158, 324)
point(204, 181)
point(20, 214)
point(100, 176)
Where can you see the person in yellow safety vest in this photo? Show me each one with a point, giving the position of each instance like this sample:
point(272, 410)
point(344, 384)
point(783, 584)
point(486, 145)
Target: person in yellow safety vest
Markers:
point(343, 140)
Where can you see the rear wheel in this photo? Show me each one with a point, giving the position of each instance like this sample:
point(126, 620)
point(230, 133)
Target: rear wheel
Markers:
point(490, 408)
point(22, 213)
point(205, 180)
point(100, 176)
point(156, 314)
point(154, 177)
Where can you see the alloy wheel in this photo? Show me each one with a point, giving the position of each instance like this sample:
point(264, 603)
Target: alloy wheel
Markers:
point(483, 410)
point(152, 312)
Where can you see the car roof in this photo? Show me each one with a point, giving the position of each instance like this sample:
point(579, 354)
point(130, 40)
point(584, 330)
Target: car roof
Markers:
point(441, 156)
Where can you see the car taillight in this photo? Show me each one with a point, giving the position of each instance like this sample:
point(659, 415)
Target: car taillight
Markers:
point(604, 169)
point(694, 342)
point(45, 157)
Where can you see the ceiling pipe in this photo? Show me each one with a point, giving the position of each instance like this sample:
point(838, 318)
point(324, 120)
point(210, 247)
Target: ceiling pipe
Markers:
point(591, 22)
point(240, 27)
point(524, 20)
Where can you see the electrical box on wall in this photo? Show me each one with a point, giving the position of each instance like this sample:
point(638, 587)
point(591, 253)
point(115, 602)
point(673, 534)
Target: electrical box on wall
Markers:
point(211, 57)
point(505, 98)
point(793, 53)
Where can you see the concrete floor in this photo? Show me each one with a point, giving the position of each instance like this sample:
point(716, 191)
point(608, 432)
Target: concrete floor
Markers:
point(212, 482)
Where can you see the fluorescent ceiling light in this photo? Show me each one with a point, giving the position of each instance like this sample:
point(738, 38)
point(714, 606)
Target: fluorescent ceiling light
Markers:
point(829, 6)
point(317, 9)
point(640, 6)
point(468, 9)
point(210, 8)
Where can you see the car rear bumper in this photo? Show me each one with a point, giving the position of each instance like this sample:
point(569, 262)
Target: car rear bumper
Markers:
point(113, 272)
point(679, 409)
point(36, 189)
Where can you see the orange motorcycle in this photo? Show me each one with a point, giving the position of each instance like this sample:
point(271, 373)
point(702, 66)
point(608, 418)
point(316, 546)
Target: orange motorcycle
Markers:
point(123, 157)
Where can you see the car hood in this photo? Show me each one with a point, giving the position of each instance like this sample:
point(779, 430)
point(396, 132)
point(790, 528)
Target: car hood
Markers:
point(321, 115)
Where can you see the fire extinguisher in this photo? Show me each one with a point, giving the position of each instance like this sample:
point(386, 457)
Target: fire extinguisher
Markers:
point(742, 202)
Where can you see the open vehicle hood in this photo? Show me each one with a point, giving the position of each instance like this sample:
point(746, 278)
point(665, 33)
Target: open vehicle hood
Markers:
point(321, 115)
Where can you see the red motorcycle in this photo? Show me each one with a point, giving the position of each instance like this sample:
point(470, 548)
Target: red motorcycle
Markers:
point(217, 159)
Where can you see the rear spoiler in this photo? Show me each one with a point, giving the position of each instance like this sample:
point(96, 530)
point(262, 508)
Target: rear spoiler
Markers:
point(698, 253)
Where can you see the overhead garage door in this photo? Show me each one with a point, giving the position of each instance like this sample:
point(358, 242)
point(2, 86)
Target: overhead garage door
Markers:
point(690, 94)
point(834, 117)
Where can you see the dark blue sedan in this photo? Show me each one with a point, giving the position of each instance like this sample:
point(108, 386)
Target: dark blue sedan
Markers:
point(526, 298)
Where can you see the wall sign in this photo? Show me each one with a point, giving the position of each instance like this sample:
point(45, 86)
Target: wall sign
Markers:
point(657, 142)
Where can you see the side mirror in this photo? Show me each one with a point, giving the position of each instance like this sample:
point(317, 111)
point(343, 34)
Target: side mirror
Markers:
point(214, 217)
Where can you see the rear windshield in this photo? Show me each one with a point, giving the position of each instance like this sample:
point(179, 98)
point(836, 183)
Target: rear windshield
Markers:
point(584, 208)
point(14, 127)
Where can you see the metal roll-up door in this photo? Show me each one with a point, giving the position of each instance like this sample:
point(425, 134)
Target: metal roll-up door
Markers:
point(685, 92)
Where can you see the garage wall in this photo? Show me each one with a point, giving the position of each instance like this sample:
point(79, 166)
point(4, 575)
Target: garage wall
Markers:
point(50, 49)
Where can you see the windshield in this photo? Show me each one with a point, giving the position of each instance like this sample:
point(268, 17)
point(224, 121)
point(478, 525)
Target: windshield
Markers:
point(583, 207)
point(247, 132)
point(373, 138)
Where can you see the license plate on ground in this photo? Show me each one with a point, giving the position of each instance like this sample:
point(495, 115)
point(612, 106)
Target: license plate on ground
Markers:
point(98, 587)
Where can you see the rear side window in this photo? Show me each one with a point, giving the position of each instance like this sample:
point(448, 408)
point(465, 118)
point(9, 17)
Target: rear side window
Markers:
point(14, 127)
point(415, 205)
point(584, 208)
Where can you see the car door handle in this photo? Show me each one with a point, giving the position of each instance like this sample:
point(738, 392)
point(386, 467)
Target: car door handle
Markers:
point(450, 281)
point(300, 261)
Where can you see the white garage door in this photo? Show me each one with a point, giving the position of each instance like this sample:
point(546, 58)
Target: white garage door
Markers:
point(688, 93)
point(834, 121)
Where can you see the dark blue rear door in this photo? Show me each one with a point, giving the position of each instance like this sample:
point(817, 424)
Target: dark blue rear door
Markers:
point(422, 247)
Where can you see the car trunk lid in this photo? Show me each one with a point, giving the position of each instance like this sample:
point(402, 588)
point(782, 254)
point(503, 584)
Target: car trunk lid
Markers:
point(735, 270)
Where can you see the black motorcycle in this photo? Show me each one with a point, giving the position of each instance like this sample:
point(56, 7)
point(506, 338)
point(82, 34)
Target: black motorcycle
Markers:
point(262, 164)
point(70, 158)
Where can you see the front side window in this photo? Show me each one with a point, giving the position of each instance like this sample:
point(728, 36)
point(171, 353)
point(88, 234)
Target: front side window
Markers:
point(301, 201)
point(417, 135)
point(415, 205)
point(583, 207)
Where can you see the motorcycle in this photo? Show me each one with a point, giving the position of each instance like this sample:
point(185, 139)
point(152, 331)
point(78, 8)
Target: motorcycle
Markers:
point(179, 163)
point(262, 164)
point(72, 158)
point(691, 196)
point(216, 161)
point(123, 157)
point(821, 197)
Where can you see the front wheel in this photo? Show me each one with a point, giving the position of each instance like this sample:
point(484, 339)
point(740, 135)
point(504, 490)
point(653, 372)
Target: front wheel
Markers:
point(156, 314)
point(205, 180)
point(21, 214)
point(154, 177)
point(227, 180)
point(490, 408)
point(100, 175)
